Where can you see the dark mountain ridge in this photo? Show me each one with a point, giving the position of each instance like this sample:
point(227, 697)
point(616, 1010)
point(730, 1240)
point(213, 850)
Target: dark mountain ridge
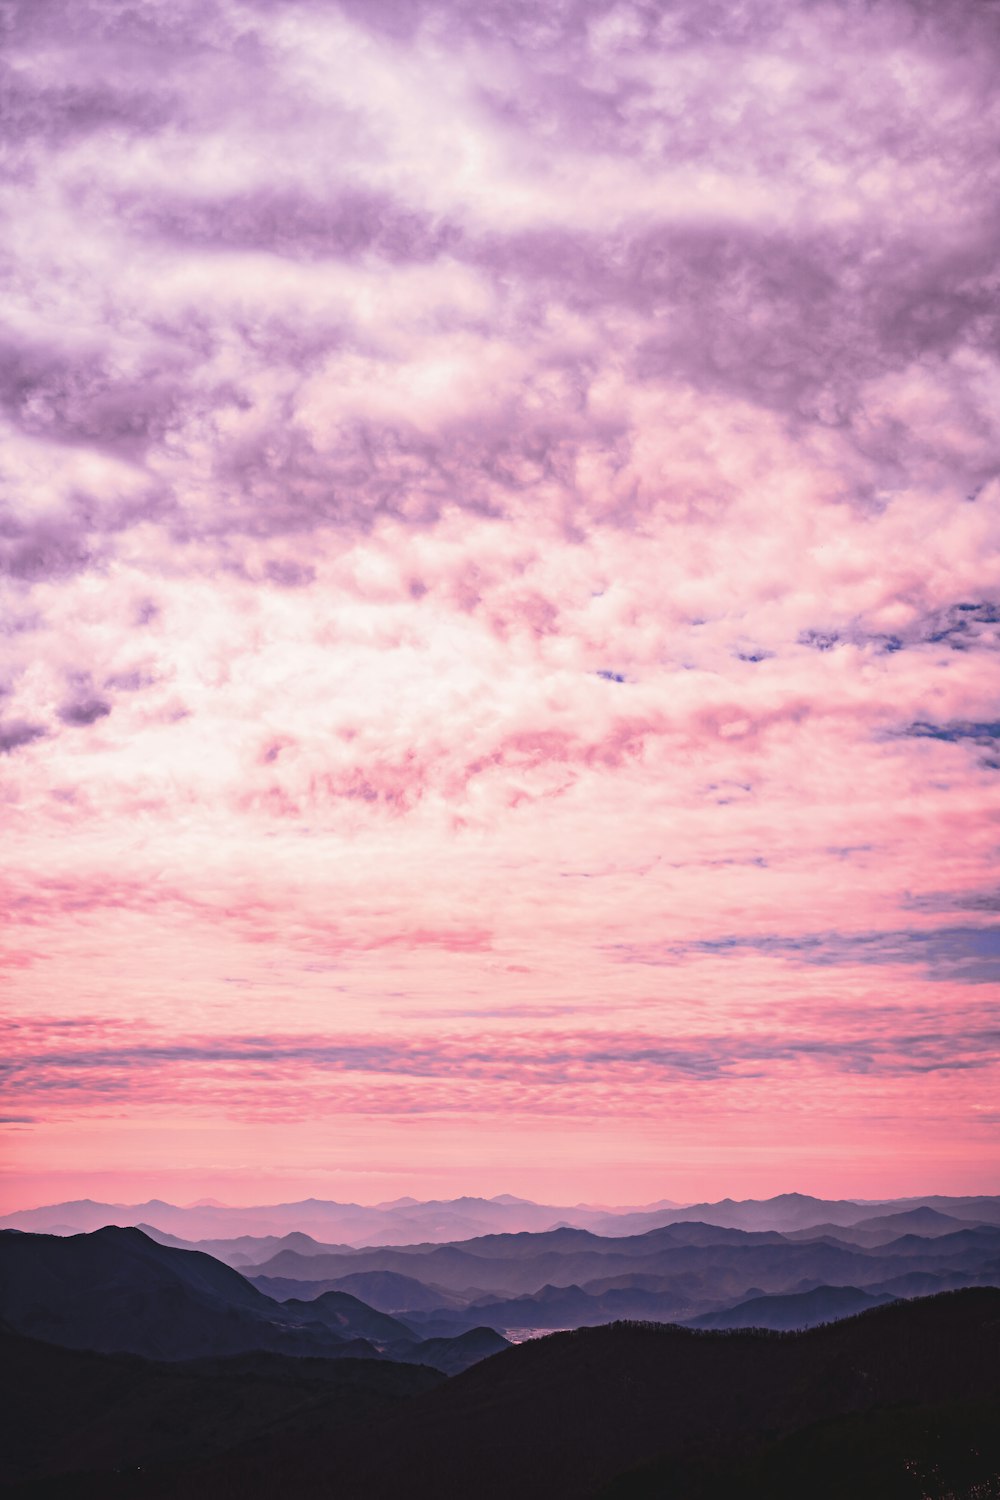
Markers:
point(117, 1291)
point(68, 1410)
point(185, 1304)
point(565, 1416)
point(246, 1249)
point(349, 1317)
point(590, 1408)
point(387, 1291)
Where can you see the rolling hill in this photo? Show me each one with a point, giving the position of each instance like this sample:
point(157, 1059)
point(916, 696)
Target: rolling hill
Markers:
point(647, 1410)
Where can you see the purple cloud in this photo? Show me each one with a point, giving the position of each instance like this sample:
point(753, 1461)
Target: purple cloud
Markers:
point(15, 732)
point(84, 711)
point(516, 489)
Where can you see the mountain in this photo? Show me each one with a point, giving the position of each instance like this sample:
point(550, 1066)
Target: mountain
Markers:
point(348, 1317)
point(116, 1290)
point(519, 1263)
point(451, 1351)
point(791, 1213)
point(245, 1250)
point(985, 1210)
point(185, 1304)
point(645, 1410)
point(824, 1304)
point(637, 1408)
point(557, 1307)
point(386, 1290)
point(587, 1307)
point(929, 1283)
point(225, 1230)
point(925, 1451)
point(69, 1411)
point(964, 1247)
point(570, 1277)
point(519, 1266)
point(786, 1211)
point(405, 1220)
point(451, 1354)
point(928, 1222)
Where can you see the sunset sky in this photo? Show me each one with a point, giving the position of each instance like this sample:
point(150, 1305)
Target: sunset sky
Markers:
point(500, 562)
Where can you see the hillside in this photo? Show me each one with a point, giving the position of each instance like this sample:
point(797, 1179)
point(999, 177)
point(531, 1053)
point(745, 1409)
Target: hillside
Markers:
point(117, 1291)
point(67, 1410)
point(626, 1409)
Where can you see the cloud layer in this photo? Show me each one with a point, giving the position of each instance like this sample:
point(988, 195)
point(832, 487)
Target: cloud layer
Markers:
point(500, 520)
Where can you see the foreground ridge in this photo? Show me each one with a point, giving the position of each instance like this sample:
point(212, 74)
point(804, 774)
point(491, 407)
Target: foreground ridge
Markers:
point(626, 1409)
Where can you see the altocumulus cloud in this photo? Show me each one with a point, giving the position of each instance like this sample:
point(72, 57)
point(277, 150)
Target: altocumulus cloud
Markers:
point(447, 445)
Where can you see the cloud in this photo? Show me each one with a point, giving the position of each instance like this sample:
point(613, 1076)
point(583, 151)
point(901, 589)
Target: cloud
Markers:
point(84, 711)
point(983, 734)
point(547, 1070)
point(966, 955)
point(446, 448)
point(15, 732)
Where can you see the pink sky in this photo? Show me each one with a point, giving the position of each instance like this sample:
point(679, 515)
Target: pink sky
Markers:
point(500, 563)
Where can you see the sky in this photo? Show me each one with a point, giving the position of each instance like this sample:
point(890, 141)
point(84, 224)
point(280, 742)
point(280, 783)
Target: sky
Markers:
point(500, 565)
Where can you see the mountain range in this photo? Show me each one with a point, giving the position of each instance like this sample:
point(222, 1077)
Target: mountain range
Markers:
point(245, 1235)
point(898, 1403)
point(295, 1294)
point(405, 1219)
point(118, 1291)
point(570, 1278)
point(138, 1364)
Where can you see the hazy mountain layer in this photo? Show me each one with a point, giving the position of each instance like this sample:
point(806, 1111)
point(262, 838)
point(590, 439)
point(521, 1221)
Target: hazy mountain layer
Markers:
point(248, 1235)
point(118, 1290)
point(824, 1304)
point(521, 1265)
point(404, 1221)
point(571, 1278)
point(646, 1409)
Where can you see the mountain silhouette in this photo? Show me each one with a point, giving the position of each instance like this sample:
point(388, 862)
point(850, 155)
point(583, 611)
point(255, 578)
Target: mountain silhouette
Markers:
point(823, 1304)
point(224, 1230)
point(636, 1410)
point(563, 1416)
point(672, 1273)
point(244, 1384)
point(116, 1290)
point(68, 1411)
point(349, 1317)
